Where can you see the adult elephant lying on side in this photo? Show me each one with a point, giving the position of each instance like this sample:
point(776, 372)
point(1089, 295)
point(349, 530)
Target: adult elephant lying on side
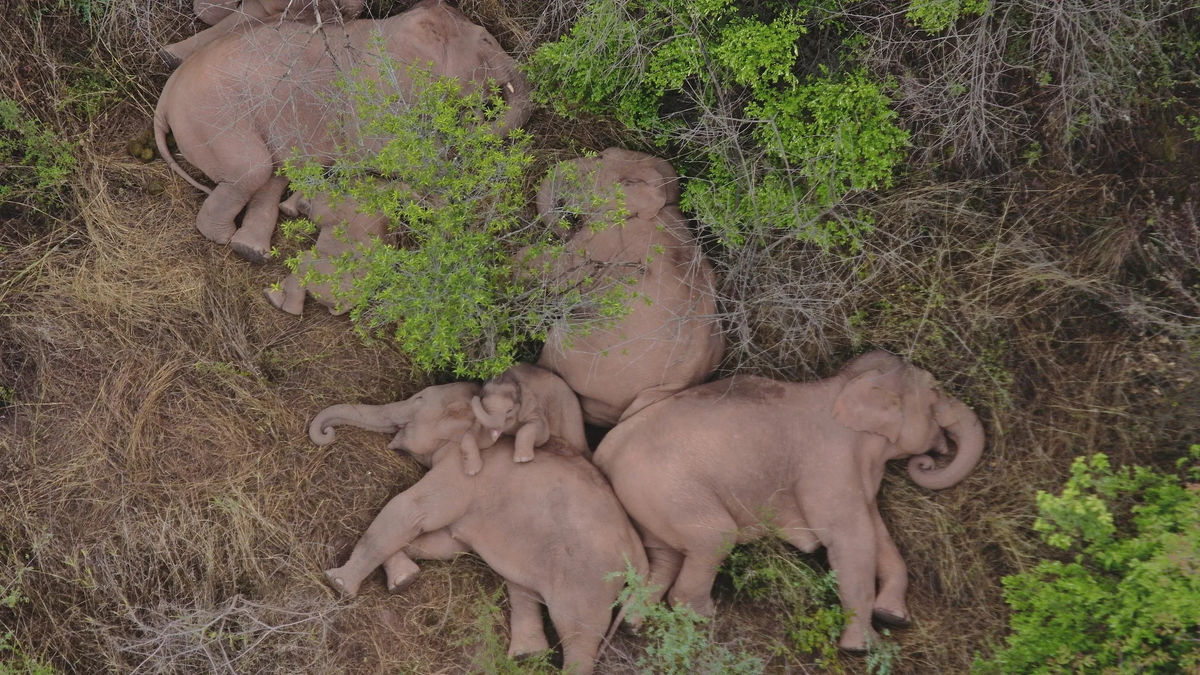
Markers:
point(245, 103)
point(701, 470)
point(671, 338)
point(552, 528)
point(229, 17)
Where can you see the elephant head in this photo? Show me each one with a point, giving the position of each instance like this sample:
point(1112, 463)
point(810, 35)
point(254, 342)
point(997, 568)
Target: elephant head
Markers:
point(595, 186)
point(496, 410)
point(422, 424)
point(884, 395)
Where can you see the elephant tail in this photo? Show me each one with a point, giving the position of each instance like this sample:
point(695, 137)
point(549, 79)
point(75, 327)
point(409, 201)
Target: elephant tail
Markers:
point(642, 564)
point(161, 126)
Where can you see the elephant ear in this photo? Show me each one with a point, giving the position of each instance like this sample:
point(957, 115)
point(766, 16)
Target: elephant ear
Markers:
point(865, 405)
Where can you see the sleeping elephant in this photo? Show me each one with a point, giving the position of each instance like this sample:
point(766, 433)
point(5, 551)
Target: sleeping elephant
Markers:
point(248, 101)
point(230, 17)
point(342, 230)
point(553, 528)
point(671, 337)
point(532, 405)
point(700, 471)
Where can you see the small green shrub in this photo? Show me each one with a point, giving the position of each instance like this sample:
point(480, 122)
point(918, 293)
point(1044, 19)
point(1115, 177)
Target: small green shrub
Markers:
point(935, 16)
point(35, 164)
point(1126, 601)
point(805, 598)
point(677, 70)
point(15, 660)
point(452, 188)
point(679, 641)
point(490, 655)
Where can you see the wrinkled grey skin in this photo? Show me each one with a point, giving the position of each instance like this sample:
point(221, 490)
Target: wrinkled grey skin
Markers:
point(231, 17)
point(701, 470)
point(672, 342)
point(342, 229)
point(532, 405)
point(247, 101)
point(552, 528)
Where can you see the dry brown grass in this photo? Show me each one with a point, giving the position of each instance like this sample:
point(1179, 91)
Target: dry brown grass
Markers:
point(165, 513)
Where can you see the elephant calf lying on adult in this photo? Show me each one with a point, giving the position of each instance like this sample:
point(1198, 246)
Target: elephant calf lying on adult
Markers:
point(531, 404)
point(671, 338)
point(248, 101)
point(230, 17)
point(552, 528)
point(698, 472)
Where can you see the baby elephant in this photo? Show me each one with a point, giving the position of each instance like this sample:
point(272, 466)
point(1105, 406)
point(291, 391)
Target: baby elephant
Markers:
point(533, 405)
point(698, 472)
point(552, 529)
point(227, 17)
point(344, 231)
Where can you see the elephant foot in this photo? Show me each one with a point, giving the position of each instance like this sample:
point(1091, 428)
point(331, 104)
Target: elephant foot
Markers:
point(290, 206)
point(170, 59)
point(855, 641)
point(280, 300)
point(401, 575)
point(704, 607)
point(522, 457)
point(888, 617)
point(337, 579)
point(255, 252)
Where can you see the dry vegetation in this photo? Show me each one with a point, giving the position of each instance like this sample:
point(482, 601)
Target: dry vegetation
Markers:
point(162, 510)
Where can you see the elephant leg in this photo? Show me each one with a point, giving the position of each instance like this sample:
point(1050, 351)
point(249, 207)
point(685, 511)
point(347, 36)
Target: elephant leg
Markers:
point(525, 440)
point(212, 11)
point(402, 571)
point(428, 506)
point(892, 574)
point(648, 397)
point(175, 54)
point(849, 536)
point(289, 297)
point(598, 413)
point(581, 628)
point(253, 240)
point(664, 563)
point(710, 545)
point(215, 220)
point(525, 621)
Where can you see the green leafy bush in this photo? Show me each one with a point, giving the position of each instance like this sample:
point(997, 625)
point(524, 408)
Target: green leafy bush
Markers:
point(935, 16)
point(1126, 601)
point(490, 655)
point(35, 164)
point(452, 189)
point(14, 660)
point(806, 598)
point(767, 150)
point(679, 641)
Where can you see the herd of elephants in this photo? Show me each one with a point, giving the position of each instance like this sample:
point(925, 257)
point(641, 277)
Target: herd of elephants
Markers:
point(689, 467)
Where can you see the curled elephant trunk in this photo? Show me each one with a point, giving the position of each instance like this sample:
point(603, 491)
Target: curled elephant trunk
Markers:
point(371, 417)
point(484, 417)
point(963, 427)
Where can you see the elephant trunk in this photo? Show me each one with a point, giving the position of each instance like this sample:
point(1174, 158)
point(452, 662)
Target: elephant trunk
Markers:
point(963, 427)
point(371, 417)
point(485, 418)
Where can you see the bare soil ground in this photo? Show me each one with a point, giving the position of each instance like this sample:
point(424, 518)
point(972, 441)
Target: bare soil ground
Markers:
point(162, 510)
